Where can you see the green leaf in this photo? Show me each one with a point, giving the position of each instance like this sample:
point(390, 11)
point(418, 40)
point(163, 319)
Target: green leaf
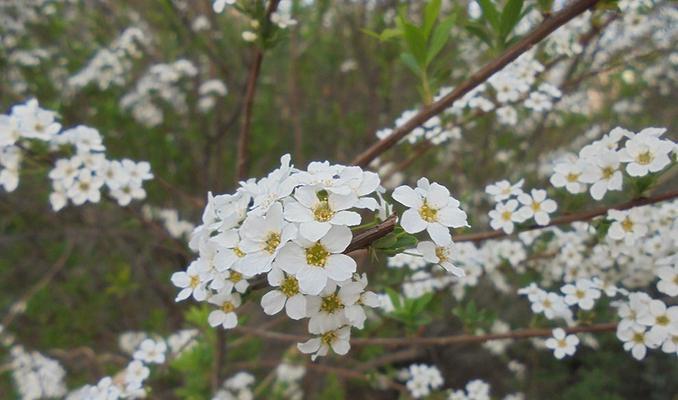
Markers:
point(490, 13)
point(440, 37)
point(431, 13)
point(479, 32)
point(510, 17)
point(409, 60)
point(416, 41)
point(389, 33)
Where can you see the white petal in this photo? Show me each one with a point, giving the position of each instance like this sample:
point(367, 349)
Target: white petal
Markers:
point(340, 267)
point(273, 301)
point(314, 230)
point(412, 222)
point(296, 307)
point(407, 196)
point(337, 239)
point(439, 233)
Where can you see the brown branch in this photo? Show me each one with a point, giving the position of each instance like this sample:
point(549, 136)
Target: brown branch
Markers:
point(437, 340)
point(364, 239)
point(255, 68)
point(543, 30)
point(573, 217)
point(384, 228)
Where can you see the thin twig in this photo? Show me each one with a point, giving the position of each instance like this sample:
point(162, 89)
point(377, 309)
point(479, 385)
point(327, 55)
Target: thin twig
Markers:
point(255, 68)
point(543, 30)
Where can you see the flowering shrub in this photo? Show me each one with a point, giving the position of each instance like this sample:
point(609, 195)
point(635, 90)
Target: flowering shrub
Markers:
point(475, 200)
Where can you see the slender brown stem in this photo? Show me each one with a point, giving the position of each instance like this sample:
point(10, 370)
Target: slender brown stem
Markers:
point(364, 239)
point(543, 30)
point(437, 340)
point(250, 92)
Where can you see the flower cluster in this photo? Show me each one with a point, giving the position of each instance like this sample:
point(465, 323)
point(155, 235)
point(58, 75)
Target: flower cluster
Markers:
point(295, 226)
point(236, 387)
point(602, 162)
point(281, 17)
point(111, 66)
point(78, 177)
point(36, 376)
point(647, 323)
point(432, 208)
point(508, 211)
point(161, 81)
point(562, 344)
point(422, 379)
point(176, 227)
point(146, 352)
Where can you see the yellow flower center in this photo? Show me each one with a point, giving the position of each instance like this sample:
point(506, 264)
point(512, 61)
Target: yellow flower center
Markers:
point(644, 158)
point(627, 224)
point(322, 212)
point(239, 253)
point(427, 213)
point(316, 255)
point(328, 338)
point(227, 307)
point(547, 303)
point(441, 253)
point(536, 206)
point(608, 172)
point(506, 215)
point(290, 286)
point(331, 304)
point(235, 277)
point(272, 242)
point(572, 177)
point(562, 343)
point(638, 337)
point(580, 294)
point(663, 320)
point(195, 281)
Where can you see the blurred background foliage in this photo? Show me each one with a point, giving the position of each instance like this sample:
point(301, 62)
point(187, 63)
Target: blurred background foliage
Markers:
point(324, 89)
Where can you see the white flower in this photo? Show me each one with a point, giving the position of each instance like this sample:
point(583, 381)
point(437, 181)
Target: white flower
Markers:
point(287, 295)
point(568, 174)
point(34, 122)
point(326, 310)
point(317, 211)
point(561, 344)
point(262, 238)
point(225, 315)
point(85, 188)
point(627, 225)
point(136, 372)
point(646, 153)
point(191, 281)
point(582, 294)
point(431, 208)
point(219, 5)
point(603, 172)
point(151, 351)
point(249, 36)
point(337, 339)
point(440, 255)
point(9, 130)
point(635, 339)
point(662, 321)
point(537, 206)
point(503, 190)
point(355, 313)
point(668, 280)
point(504, 215)
point(314, 262)
point(551, 304)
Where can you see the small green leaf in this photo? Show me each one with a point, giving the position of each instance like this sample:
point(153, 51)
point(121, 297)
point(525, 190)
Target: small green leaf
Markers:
point(409, 60)
point(416, 41)
point(490, 13)
point(389, 33)
point(480, 33)
point(510, 17)
point(440, 37)
point(431, 13)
